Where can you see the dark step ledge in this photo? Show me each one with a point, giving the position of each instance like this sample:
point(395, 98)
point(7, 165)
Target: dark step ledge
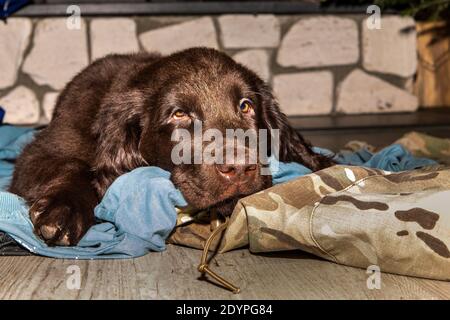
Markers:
point(113, 8)
point(423, 118)
point(333, 132)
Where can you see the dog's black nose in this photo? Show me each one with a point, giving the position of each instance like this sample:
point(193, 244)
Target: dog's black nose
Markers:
point(236, 171)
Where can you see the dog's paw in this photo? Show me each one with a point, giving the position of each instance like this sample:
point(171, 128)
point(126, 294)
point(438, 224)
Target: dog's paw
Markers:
point(59, 220)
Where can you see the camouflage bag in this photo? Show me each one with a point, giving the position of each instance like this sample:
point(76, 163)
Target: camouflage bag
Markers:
point(423, 145)
point(350, 215)
point(354, 216)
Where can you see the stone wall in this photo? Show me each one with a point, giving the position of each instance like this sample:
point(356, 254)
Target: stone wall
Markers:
point(317, 64)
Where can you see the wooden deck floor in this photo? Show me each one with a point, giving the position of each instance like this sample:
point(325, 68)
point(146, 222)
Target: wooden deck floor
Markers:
point(172, 275)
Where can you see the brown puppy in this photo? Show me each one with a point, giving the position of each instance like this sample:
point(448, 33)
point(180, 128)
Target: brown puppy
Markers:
point(119, 114)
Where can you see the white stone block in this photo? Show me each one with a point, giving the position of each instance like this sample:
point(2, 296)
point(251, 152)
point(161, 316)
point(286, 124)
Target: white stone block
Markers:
point(195, 33)
point(256, 60)
point(360, 92)
point(249, 31)
point(14, 38)
point(49, 103)
point(306, 93)
point(320, 41)
point(58, 53)
point(389, 49)
point(113, 35)
point(21, 106)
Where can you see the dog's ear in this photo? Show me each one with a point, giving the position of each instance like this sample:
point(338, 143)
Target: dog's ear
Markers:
point(292, 146)
point(118, 127)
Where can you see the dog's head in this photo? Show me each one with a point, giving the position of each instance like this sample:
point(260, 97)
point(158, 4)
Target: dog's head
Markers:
point(203, 91)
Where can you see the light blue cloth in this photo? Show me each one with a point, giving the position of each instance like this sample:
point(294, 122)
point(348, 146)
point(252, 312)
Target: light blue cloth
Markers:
point(393, 158)
point(138, 210)
point(12, 140)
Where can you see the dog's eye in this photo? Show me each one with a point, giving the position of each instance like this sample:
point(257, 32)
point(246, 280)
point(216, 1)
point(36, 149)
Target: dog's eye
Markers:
point(179, 114)
point(245, 105)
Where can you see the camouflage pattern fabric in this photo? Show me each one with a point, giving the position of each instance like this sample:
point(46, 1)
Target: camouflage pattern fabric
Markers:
point(423, 145)
point(419, 144)
point(350, 215)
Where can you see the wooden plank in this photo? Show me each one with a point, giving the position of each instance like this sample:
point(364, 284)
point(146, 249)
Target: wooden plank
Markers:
point(173, 275)
point(433, 72)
